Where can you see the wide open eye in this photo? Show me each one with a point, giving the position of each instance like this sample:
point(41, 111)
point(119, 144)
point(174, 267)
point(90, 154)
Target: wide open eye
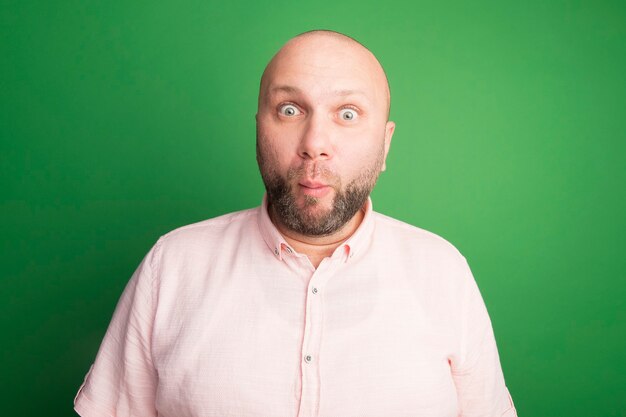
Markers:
point(289, 110)
point(348, 115)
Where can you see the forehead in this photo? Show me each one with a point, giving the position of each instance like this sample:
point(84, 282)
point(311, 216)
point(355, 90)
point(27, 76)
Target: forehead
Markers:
point(324, 67)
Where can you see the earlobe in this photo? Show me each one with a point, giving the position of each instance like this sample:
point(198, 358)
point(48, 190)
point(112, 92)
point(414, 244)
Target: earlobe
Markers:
point(390, 127)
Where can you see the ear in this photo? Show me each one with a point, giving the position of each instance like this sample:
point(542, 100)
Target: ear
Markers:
point(390, 127)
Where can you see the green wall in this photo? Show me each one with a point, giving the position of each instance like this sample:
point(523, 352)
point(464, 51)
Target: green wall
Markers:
point(120, 121)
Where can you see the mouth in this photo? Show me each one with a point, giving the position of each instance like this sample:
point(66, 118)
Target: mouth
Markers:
point(313, 188)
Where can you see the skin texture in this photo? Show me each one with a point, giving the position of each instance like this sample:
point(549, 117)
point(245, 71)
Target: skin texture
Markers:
point(322, 138)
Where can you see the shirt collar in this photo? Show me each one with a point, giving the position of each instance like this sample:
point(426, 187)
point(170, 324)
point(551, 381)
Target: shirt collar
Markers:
point(354, 245)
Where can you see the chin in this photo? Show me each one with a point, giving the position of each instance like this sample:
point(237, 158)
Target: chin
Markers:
point(312, 203)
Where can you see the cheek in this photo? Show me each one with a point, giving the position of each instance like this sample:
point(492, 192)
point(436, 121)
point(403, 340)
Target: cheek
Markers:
point(273, 152)
point(365, 154)
point(282, 144)
point(361, 146)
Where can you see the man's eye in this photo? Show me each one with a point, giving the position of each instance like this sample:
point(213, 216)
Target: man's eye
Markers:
point(347, 115)
point(289, 110)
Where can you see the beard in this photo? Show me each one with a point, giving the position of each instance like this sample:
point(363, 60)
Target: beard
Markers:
point(309, 220)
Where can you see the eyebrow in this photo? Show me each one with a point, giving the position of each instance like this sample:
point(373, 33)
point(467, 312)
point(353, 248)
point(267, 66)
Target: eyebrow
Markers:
point(284, 89)
point(350, 93)
point(296, 90)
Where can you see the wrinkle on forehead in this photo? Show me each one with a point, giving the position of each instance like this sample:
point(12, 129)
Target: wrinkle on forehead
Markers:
point(318, 50)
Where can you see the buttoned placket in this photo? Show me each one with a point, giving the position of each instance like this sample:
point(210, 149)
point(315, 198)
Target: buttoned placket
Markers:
point(312, 340)
point(309, 402)
point(312, 337)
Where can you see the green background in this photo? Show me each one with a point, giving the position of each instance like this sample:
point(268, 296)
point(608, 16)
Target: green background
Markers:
point(120, 121)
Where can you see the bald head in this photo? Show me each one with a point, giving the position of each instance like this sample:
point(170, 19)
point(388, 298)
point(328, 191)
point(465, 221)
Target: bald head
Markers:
point(326, 54)
point(323, 133)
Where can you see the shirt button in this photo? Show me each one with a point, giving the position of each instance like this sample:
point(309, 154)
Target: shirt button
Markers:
point(314, 290)
point(308, 358)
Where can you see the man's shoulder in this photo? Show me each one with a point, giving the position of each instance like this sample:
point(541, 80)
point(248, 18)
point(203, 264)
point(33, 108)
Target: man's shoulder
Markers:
point(414, 237)
point(219, 227)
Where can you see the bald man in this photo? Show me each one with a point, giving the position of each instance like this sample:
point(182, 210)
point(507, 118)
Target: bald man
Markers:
point(311, 304)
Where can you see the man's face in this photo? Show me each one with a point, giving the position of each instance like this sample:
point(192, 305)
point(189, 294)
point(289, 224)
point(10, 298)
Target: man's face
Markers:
point(322, 133)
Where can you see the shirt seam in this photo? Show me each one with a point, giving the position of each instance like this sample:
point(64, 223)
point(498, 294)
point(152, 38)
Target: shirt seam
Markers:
point(411, 228)
point(154, 274)
point(218, 221)
point(91, 405)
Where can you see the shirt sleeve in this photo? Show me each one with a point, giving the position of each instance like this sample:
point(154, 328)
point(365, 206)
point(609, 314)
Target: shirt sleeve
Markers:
point(476, 370)
point(122, 381)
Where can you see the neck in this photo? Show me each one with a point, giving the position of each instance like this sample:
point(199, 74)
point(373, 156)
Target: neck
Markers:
point(316, 248)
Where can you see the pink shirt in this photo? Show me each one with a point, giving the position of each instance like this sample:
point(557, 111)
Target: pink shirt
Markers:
point(222, 318)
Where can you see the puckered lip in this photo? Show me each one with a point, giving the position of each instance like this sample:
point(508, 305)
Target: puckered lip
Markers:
point(312, 184)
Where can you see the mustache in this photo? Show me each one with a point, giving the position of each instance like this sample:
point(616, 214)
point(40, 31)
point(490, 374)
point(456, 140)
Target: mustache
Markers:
point(314, 171)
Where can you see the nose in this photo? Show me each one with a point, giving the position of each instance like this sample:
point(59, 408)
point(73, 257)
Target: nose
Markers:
point(315, 143)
